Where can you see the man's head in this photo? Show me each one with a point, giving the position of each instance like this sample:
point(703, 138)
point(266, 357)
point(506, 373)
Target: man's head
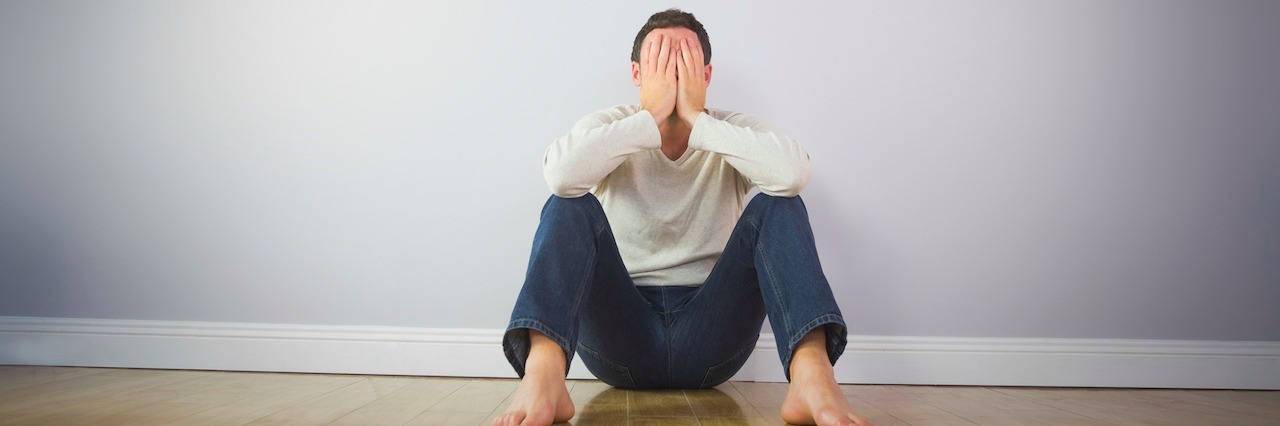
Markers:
point(676, 24)
point(673, 19)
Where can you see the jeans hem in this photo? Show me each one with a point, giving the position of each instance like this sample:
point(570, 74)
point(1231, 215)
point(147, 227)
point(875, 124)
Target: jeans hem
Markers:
point(518, 356)
point(835, 343)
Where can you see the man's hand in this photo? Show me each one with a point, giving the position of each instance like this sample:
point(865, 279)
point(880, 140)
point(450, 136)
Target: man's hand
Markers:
point(658, 78)
point(691, 95)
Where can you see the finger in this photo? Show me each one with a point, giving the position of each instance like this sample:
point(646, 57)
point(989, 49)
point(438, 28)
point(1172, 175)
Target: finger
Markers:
point(686, 56)
point(654, 49)
point(667, 56)
point(699, 54)
point(654, 52)
point(681, 68)
point(675, 58)
point(664, 56)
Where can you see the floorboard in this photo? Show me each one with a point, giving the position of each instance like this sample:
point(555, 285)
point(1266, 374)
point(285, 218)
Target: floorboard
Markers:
point(39, 395)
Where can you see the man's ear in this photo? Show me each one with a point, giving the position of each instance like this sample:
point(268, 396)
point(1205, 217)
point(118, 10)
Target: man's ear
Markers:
point(635, 73)
point(708, 74)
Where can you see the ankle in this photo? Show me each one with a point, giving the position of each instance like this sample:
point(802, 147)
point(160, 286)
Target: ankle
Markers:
point(545, 357)
point(809, 368)
point(544, 371)
point(545, 367)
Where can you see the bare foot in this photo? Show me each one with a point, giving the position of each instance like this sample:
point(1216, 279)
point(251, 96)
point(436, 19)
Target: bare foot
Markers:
point(539, 401)
point(814, 397)
point(542, 397)
point(818, 401)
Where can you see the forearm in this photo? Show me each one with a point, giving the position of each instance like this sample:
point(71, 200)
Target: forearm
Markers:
point(576, 162)
point(775, 163)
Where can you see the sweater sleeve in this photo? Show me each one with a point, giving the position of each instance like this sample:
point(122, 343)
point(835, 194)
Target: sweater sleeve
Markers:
point(596, 145)
point(775, 163)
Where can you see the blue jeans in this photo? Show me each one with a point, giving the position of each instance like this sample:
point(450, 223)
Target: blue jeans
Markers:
point(578, 293)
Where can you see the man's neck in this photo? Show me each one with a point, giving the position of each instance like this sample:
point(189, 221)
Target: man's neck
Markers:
point(674, 130)
point(675, 137)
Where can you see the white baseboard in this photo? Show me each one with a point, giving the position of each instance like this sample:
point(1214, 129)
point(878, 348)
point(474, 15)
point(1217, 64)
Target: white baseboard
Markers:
point(478, 353)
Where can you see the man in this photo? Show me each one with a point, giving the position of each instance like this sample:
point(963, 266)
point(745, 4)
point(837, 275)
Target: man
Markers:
point(646, 263)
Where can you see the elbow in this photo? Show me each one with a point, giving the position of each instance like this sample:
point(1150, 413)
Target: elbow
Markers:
point(789, 184)
point(567, 192)
point(786, 188)
point(555, 174)
point(561, 185)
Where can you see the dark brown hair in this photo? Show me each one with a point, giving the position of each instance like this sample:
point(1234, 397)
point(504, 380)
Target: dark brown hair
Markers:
point(672, 18)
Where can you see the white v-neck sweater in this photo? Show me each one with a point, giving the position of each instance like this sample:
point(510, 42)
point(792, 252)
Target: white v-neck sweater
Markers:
point(672, 219)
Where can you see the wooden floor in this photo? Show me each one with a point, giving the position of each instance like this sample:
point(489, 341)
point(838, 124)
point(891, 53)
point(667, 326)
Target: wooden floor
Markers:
point(73, 395)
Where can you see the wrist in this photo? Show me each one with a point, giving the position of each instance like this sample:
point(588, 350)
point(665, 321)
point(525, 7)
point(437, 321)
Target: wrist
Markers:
point(657, 118)
point(691, 116)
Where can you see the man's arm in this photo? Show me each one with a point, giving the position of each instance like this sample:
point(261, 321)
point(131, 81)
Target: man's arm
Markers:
point(597, 144)
point(775, 163)
point(601, 141)
point(771, 161)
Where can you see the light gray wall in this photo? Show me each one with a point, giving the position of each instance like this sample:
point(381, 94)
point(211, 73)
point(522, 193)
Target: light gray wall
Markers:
point(1094, 169)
